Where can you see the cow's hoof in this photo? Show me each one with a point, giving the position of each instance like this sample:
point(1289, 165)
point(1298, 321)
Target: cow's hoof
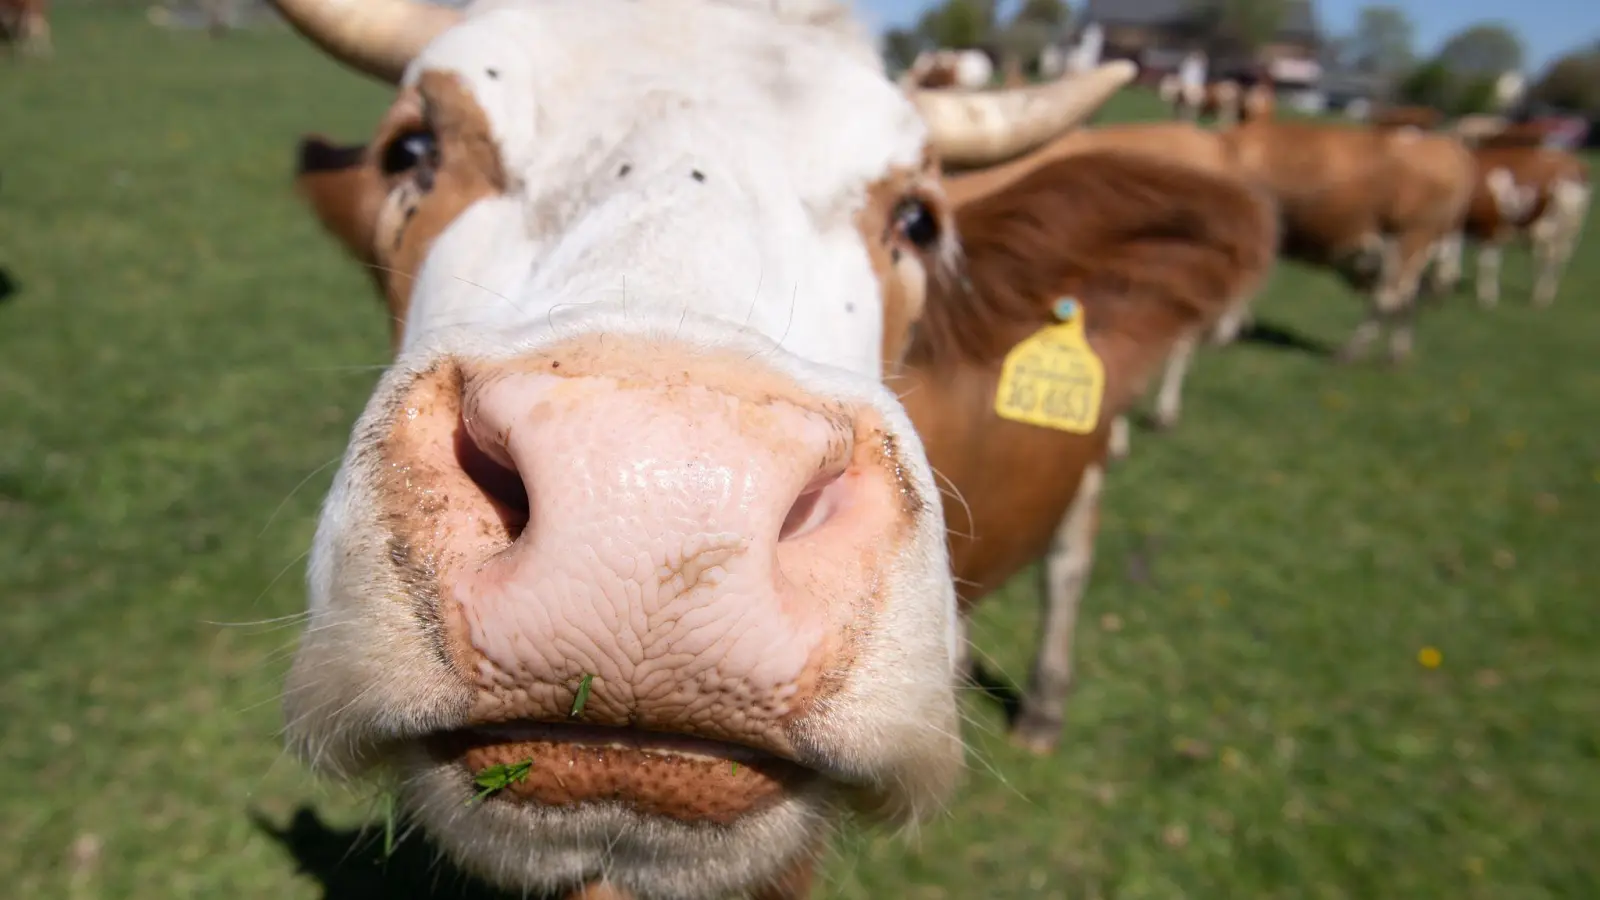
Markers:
point(1347, 356)
point(1036, 735)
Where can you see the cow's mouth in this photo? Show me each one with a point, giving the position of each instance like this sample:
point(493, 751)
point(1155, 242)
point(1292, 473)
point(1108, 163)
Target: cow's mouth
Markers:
point(685, 778)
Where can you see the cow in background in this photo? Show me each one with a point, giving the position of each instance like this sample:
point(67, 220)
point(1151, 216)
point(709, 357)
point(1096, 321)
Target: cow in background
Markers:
point(1193, 97)
point(632, 509)
point(1374, 205)
point(1531, 192)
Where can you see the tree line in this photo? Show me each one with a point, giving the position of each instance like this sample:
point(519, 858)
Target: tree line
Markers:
point(1458, 79)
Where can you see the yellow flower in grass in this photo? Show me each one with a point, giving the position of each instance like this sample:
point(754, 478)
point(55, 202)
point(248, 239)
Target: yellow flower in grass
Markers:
point(1430, 657)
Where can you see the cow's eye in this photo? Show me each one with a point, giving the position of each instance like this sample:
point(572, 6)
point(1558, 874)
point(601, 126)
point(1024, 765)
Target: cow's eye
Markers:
point(917, 222)
point(409, 151)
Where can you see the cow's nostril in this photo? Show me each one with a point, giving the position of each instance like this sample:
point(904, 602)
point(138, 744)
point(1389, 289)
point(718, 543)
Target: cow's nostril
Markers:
point(814, 507)
point(501, 485)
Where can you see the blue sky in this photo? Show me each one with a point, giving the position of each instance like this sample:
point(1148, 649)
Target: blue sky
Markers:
point(1548, 27)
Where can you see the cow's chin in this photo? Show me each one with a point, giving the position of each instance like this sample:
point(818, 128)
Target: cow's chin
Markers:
point(687, 779)
point(660, 815)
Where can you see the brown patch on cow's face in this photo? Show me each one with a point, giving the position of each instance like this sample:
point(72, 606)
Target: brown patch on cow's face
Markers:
point(433, 156)
point(909, 233)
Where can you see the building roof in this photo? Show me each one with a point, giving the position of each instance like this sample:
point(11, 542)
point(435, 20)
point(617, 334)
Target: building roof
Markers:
point(1299, 16)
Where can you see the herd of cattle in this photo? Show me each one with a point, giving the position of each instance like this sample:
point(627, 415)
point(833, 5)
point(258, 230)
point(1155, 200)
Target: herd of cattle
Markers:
point(729, 374)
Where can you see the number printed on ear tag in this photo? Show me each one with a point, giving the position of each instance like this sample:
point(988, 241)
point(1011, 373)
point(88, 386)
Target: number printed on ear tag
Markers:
point(1053, 379)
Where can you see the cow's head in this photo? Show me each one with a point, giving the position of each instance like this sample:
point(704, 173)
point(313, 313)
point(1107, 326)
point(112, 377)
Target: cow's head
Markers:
point(644, 260)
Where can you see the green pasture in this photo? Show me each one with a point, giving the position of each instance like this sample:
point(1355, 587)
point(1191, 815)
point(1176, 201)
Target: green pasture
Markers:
point(182, 354)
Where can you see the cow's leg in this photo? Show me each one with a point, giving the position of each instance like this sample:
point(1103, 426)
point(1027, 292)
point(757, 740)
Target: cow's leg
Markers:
point(1555, 238)
point(1446, 272)
point(1169, 400)
point(1542, 239)
point(1416, 252)
point(1360, 341)
point(1400, 303)
point(1121, 441)
point(1489, 273)
point(1231, 324)
point(1066, 571)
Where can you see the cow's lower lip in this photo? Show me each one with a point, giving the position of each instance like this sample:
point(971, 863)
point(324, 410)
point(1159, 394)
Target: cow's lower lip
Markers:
point(673, 776)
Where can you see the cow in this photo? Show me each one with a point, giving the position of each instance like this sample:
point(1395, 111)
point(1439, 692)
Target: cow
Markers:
point(25, 25)
point(631, 529)
point(1220, 100)
point(1146, 251)
point(1530, 191)
point(963, 69)
point(1193, 96)
point(1375, 205)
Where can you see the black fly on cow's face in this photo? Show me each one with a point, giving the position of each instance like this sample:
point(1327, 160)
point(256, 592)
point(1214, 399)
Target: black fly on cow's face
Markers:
point(414, 152)
point(916, 221)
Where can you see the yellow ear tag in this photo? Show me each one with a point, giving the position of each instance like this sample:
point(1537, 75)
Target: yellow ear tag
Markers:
point(1053, 379)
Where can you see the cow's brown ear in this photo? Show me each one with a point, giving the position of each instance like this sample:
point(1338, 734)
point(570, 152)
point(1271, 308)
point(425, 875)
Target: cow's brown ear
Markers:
point(344, 189)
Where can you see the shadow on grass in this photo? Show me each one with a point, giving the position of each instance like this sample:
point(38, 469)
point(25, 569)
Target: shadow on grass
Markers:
point(8, 285)
point(350, 863)
point(1266, 334)
point(998, 689)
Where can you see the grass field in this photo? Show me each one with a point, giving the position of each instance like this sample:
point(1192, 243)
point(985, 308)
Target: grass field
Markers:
point(184, 354)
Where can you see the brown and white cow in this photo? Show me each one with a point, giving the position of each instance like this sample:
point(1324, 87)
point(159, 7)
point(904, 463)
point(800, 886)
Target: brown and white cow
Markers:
point(1150, 252)
point(25, 25)
point(1374, 204)
point(1539, 193)
point(1219, 100)
point(643, 259)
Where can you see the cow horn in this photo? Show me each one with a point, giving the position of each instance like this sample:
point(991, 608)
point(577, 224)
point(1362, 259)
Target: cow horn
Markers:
point(980, 128)
point(378, 37)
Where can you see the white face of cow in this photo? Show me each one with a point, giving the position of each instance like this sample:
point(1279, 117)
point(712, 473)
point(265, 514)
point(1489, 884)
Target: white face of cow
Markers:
point(635, 435)
point(634, 447)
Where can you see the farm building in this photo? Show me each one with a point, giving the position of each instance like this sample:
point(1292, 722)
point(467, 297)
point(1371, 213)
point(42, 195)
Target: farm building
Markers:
point(1158, 33)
